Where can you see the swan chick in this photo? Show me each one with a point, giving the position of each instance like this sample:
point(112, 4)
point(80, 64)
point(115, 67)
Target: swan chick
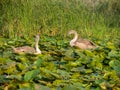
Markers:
point(81, 43)
point(28, 49)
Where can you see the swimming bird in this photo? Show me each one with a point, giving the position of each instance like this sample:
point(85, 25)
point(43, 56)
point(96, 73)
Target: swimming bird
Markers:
point(81, 43)
point(28, 49)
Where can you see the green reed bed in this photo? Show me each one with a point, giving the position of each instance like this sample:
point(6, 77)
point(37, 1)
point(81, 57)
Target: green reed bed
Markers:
point(55, 17)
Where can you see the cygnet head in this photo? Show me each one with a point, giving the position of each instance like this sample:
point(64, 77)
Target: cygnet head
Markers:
point(71, 32)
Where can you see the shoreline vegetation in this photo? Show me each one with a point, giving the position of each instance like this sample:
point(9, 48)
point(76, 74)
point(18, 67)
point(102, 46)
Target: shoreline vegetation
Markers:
point(60, 66)
point(55, 17)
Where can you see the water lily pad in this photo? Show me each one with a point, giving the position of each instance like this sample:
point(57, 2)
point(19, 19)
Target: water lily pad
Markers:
point(38, 62)
point(31, 74)
point(115, 64)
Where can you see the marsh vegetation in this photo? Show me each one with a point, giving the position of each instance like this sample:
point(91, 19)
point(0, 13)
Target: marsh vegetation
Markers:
point(60, 67)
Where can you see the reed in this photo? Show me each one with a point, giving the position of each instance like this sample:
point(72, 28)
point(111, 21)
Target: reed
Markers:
point(23, 18)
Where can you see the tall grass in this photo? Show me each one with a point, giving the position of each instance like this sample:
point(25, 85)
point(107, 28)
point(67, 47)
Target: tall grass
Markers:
point(24, 18)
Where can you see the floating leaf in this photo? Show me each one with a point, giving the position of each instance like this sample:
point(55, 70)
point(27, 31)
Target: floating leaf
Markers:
point(75, 75)
point(27, 86)
point(38, 62)
point(41, 87)
point(4, 60)
point(88, 53)
point(112, 75)
point(88, 71)
point(31, 74)
point(96, 63)
point(69, 53)
point(63, 74)
point(115, 64)
point(21, 66)
point(17, 77)
point(11, 70)
point(103, 86)
point(110, 45)
point(50, 73)
point(113, 54)
point(23, 59)
point(74, 86)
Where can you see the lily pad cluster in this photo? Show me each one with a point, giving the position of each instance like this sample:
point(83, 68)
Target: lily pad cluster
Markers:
point(60, 66)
